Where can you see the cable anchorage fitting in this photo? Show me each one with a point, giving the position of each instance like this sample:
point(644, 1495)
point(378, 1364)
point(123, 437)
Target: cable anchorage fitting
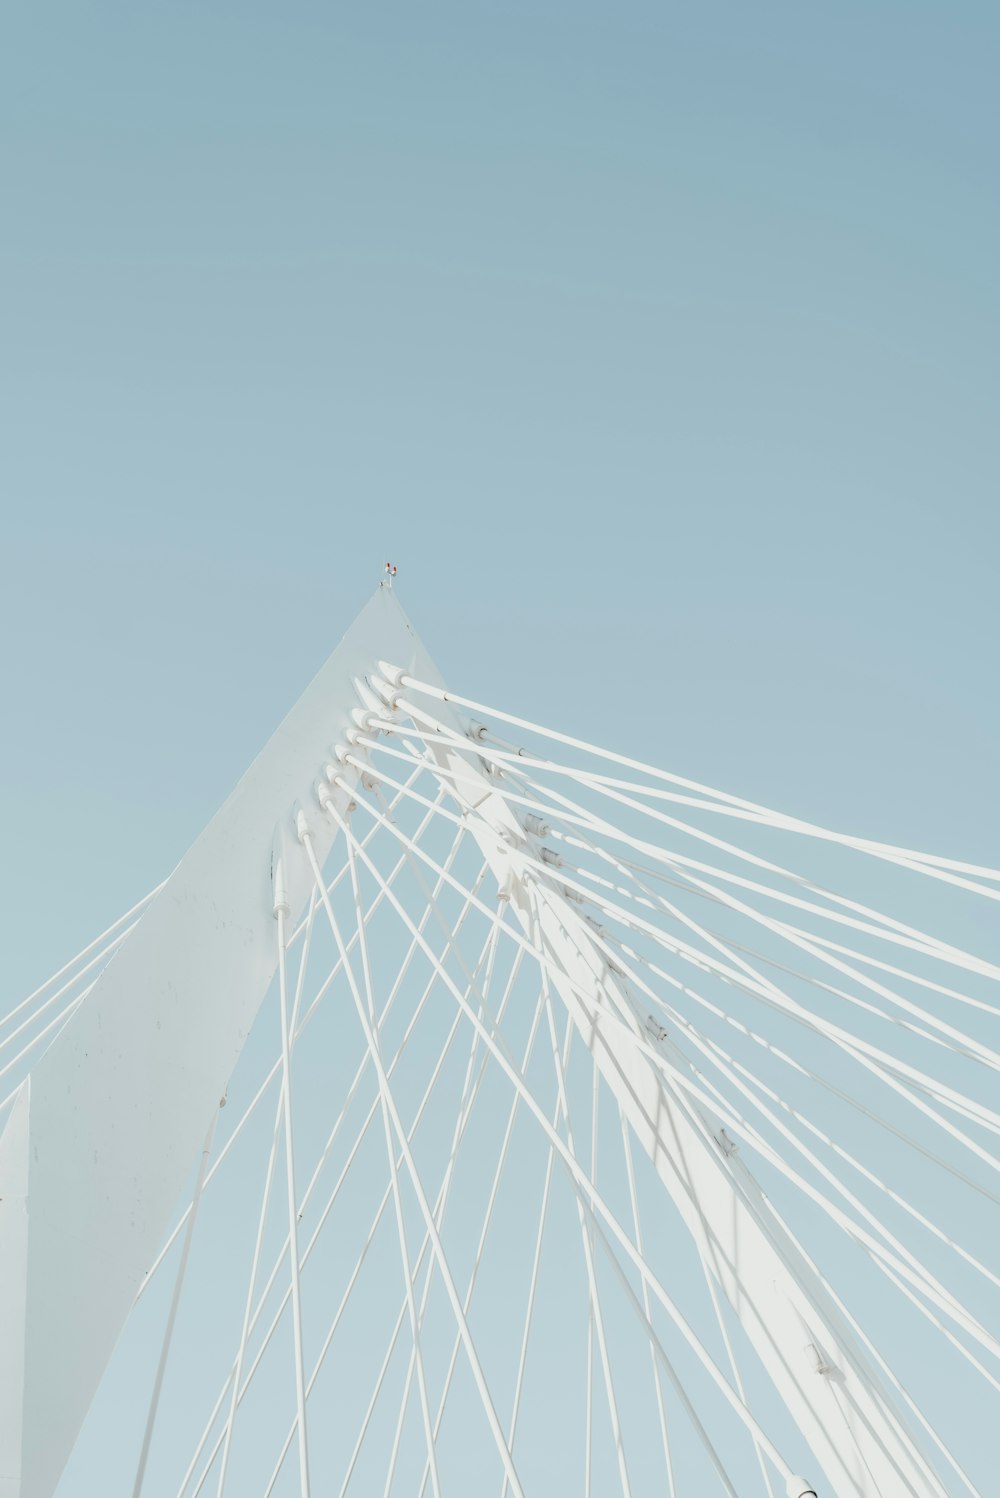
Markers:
point(302, 829)
point(280, 904)
point(333, 775)
point(366, 720)
point(393, 674)
point(388, 684)
point(385, 692)
point(358, 761)
point(817, 1361)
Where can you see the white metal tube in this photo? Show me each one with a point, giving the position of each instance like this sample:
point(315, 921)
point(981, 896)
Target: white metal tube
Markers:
point(883, 850)
point(639, 873)
point(293, 1240)
point(889, 929)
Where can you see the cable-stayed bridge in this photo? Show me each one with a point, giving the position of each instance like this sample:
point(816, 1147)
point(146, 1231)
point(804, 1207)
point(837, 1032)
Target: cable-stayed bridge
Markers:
point(481, 1110)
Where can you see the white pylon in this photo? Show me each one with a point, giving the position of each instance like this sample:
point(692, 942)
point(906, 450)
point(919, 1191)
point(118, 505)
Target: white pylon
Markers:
point(604, 907)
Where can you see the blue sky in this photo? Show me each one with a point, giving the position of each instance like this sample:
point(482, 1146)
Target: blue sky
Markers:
point(657, 345)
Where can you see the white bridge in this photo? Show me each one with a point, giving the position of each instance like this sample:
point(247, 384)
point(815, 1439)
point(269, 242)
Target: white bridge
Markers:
point(579, 1137)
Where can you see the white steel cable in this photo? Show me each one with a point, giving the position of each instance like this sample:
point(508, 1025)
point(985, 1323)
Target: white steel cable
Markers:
point(105, 954)
point(262, 1216)
point(878, 849)
point(535, 1265)
point(487, 1219)
point(677, 1018)
point(888, 928)
point(71, 964)
point(977, 1330)
point(443, 1196)
point(371, 1234)
point(439, 1255)
point(597, 1202)
point(596, 1311)
point(870, 1055)
point(446, 736)
point(733, 1119)
point(276, 1068)
point(647, 1310)
point(281, 913)
point(390, 1149)
point(640, 921)
point(345, 1169)
point(439, 1203)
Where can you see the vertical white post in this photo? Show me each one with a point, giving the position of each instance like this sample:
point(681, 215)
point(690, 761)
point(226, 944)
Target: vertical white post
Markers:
point(281, 910)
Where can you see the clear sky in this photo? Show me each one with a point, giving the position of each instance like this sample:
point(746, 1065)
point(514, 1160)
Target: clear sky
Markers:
point(657, 344)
